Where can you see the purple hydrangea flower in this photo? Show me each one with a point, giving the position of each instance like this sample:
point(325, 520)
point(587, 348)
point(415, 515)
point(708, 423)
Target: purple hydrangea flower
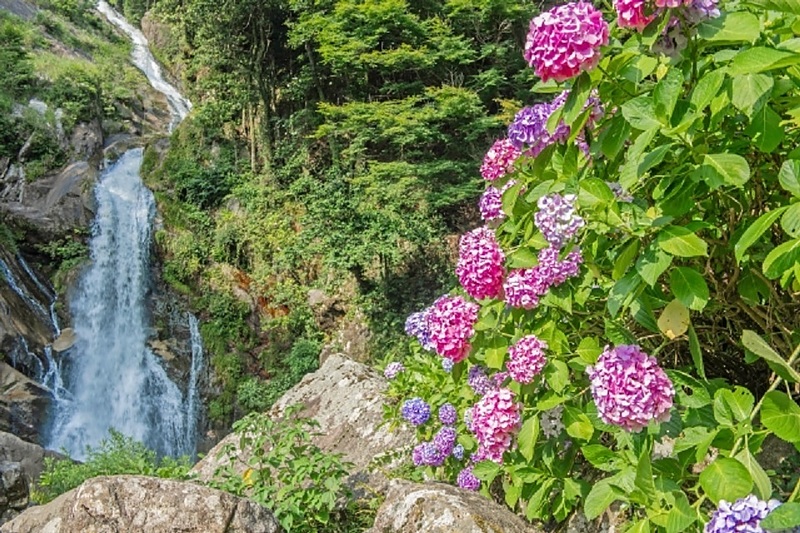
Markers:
point(557, 219)
point(445, 439)
point(744, 515)
point(458, 452)
point(467, 480)
point(427, 454)
point(529, 128)
point(699, 10)
point(629, 388)
point(447, 364)
point(393, 369)
point(417, 326)
point(479, 381)
point(448, 415)
point(416, 411)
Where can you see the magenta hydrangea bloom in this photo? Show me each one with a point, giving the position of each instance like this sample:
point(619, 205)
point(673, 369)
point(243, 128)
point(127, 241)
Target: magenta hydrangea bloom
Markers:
point(672, 3)
point(553, 271)
point(524, 287)
point(557, 219)
point(495, 418)
point(632, 14)
point(480, 264)
point(566, 40)
point(745, 514)
point(499, 159)
point(467, 480)
point(393, 369)
point(451, 321)
point(629, 388)
point(526, 359)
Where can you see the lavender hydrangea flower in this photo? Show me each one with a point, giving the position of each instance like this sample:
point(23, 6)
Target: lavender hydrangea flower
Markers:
point(447, 364)
point(458, 452)
point(529, 128)
point(416, 411)
point(393, 369)
point(445, 440)
point(557, 219)
point(744, 515)
point(427, 454)
point(417, 326)
point(479, 381)
point(467, 480)
point(448, 415)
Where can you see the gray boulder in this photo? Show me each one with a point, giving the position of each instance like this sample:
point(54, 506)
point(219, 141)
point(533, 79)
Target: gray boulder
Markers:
point(14, 490)
point(137, 504)
point(30, 456)
point(346, 398)
point(438, 508)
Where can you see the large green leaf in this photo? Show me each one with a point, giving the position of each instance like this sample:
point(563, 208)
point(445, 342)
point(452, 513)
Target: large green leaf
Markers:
point(781, 415)
point(681, 242)
point(789, 176)
point(756, 230)
point(749, 90)
point(784, 257)
point(689, 286)
point(753, 342)
point(707, 88)
point(666, 94)
point(697, 353)
point(762, 482)
point(640, 112)
point(786, 6)
point(726, 479)
point(652, 264)
point(724, 169)
point(526, 439)
point(593, 192)
point(737, 26)
point(766, 129)
point(681, 516)
point(600, 498)
point(790, 221)
point(760, 59)
point(783, 517)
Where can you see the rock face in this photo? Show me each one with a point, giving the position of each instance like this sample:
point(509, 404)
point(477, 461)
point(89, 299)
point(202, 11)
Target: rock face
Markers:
point(14, 493)
point(29, 456)
point(438, 508)
point(137, 504)
point(23, 404)
point(346, 399)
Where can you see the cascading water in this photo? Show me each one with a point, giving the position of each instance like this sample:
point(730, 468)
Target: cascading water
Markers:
point(114, 379)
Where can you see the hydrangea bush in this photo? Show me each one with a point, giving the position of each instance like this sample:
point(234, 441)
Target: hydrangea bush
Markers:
point(641, 246)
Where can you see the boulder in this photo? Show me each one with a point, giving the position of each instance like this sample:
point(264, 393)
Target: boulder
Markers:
point(138, 504)
point(14, 490)
point(23, 405)
point(346, 398)
point(438, 508)
point(29, 456)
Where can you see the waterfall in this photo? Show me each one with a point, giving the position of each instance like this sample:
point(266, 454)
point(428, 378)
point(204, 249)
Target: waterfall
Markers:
point(20, 290)
point(110, 378)
point(192, 404)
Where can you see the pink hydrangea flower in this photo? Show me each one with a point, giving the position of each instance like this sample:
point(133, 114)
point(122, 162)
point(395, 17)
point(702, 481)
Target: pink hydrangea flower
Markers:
point(499, 159)
point(566, 40)
point(495, 418)
point(480, 264)
point(524, 287)
point(526, 359)
point(451, 321)
point(632, 14)
point(672, 3)
point(629, 388)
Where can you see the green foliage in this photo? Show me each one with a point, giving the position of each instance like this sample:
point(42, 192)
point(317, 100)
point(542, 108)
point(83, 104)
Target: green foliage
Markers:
point(65, 255)
point(303, 485)
point(115, 455)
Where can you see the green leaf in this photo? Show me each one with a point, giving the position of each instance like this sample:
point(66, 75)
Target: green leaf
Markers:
point(755, 231)
point(666, 94)
point(726, 479)
point(681, 242)
point(785, 516)
point(760, 59)
point(785, 6)
point(681, 516)
point(674, 319)
point(614, 137)
point(762, 482)
point(599, 499)
point(629, 173)
point(625, 260)
point(486, 471)
point(594, 192)
point(576, 100)
point(748, 91)
point(707, 88)
point(641, 526)
point(697, 353)
point(652, 264)
point(556, 374)
point(644, 477)
point(578, 424)
point(724, 169)
point(781, 415)
point(782, 258)
point(753, 342)
point(789, 176)
point(640, 112)
point(735, 26)
point(523, 258)
point(528, 434)
point(689, 286)
point(598, 455)
point(790, 222)
point(766, 130)
point(589, 350)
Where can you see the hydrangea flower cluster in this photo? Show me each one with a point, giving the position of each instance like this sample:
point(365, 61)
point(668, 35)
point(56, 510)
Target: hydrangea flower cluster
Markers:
point(479, 381)
point(480, 264)
point(458, 452)
point(393, 369)
point(551, 423)
point(557, 219)
point(629, 388)
point(499, 159)
point(495, 418)
point(451, 321)
point(529, 128)
point(467, 480)
point(417, 326)
point(445, 440)
point(745, 514)
point(524, 287)
point(526, 359)
point(637, 14)
point(447, 364)
point(448, 415)
point(416, 411)
point(427, 454)
point(491, 202)
point(632, 14)
point(566, 40)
